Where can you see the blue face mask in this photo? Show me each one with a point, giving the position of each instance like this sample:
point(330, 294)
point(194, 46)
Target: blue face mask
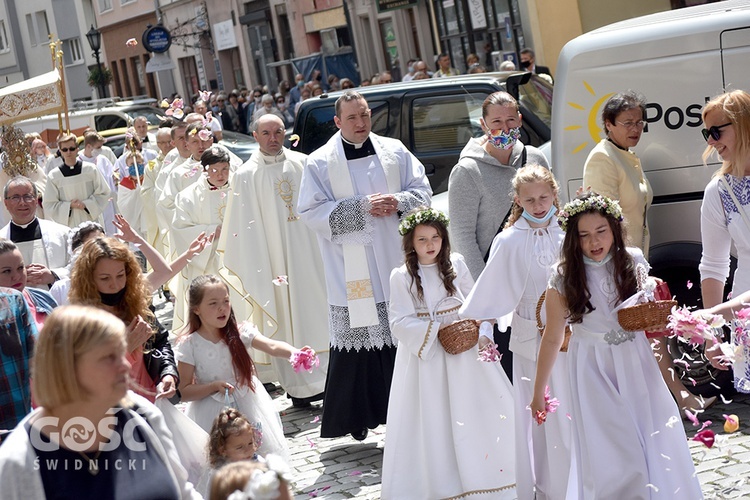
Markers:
point(592, 262)
point(552, 211)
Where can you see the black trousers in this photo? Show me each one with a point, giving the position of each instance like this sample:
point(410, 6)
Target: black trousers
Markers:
point(502, 339)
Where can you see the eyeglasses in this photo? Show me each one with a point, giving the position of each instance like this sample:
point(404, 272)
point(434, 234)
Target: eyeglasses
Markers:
point(28, 198)
point(714, 132)
point(632, 125)
point(68, 150)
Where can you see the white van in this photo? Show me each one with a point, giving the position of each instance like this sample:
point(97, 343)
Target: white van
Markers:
point(102, 114)
point(677, 60)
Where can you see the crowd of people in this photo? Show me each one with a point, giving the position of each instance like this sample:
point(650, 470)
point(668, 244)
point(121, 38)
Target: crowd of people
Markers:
point(338, 257)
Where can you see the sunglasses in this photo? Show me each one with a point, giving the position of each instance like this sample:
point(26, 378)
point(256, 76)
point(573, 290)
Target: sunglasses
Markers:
point(68, 150)
point(714, 132)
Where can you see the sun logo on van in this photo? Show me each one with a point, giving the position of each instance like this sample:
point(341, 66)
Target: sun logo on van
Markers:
point(591, 118)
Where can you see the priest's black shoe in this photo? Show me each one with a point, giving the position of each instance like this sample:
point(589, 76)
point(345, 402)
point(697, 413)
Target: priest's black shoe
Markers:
point(360, 435)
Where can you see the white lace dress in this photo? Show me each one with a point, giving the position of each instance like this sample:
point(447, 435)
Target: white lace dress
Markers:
point(213, 361)
point(450, 429)
point(628, 437)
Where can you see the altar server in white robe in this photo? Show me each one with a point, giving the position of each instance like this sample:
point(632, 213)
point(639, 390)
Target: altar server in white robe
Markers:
point(92, 153)
point(76, 191)
point(262, 238)
point(352, 192)
point(131, 167)
point(42, 243)
point(148, 189)
point(450, 430)
point(515, 276)
point(200, 209)
point(198, 138)
point(178, 155)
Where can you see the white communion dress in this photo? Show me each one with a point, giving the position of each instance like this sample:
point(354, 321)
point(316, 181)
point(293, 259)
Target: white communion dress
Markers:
point(628, 436)
point(450, 429)
point(213, 361)
point(516, 274)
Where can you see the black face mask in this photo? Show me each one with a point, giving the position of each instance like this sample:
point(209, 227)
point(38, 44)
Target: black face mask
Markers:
point(525, 64)
point(112, 299)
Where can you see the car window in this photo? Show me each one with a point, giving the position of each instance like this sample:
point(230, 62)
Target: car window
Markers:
point(152, 114)
point(319, 125)
point(445, 123)
point(536, 96)
point(109, 121)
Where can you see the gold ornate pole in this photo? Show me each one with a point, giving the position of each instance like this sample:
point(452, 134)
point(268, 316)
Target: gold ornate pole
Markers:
point(61, 68)
point(53, 53)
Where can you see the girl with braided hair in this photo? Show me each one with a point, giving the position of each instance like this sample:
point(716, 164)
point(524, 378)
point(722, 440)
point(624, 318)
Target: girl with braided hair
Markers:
point(450, 416)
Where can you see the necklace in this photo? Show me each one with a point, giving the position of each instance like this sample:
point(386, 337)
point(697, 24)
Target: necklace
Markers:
point(93, 462)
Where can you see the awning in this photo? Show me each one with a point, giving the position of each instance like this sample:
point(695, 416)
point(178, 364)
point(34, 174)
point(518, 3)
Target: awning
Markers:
point(36, 96)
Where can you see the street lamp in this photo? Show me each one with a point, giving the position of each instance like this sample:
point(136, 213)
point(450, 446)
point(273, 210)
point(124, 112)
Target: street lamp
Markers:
point(94, 37)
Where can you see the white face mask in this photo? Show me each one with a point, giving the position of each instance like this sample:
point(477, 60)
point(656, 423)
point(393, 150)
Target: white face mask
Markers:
point(96, 152)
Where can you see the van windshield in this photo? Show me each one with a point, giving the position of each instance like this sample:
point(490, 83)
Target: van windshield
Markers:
point(536, 96)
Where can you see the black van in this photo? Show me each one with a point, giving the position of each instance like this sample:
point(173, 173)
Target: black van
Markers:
point(434, 118)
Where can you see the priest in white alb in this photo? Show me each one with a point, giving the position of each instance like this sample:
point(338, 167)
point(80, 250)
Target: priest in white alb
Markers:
point(263, 239)
point(76, 191)
point(199, 209)
point(353, 191)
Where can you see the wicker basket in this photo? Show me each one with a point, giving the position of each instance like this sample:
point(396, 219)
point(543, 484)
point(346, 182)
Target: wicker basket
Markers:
point(540, 326)
point(649, 316)
point(457, 337)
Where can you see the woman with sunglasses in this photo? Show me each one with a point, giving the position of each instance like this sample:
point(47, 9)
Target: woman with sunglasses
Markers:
point(613, 170)
point(725, 212)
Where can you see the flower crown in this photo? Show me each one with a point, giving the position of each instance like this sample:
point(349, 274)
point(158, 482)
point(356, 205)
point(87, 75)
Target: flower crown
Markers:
point(595, 202)
point(427, 215)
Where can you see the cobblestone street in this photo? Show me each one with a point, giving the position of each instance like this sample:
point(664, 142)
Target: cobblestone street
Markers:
point(344, 468)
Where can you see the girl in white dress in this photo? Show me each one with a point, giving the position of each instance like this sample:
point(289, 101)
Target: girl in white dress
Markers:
point(628, 436)
point(450, 417)
point(516, 275)
point(215, 366)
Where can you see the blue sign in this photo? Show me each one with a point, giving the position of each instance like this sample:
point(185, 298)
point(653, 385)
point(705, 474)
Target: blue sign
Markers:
point(157, 39)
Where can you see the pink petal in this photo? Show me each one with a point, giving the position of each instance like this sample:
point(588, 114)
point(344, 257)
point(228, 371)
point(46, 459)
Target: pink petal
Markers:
point(706, 437)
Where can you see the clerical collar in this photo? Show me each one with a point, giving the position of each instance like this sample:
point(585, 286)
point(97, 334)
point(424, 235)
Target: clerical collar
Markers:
point(277, 158)
point(69, 171)
point(355, 151)
point(617, 145)
point(211, 187)
point(28, 232)
point(24, 226)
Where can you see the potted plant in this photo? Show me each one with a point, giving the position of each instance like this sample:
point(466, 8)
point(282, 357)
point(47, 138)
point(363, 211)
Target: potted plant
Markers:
point(99, 77)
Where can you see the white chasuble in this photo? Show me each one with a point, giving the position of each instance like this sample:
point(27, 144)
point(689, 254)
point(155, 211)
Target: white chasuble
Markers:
point(262, 239)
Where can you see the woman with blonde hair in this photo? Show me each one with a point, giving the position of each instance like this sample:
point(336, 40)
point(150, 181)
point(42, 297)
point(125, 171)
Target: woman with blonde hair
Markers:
point(87, 422)
point(725, 212)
